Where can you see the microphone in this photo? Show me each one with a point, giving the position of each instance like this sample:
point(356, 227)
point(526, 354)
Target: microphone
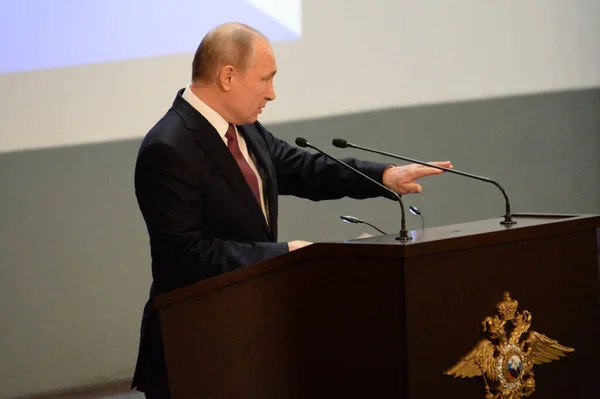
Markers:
point(403, 234)
point(508, 220)
point(355, 220)
point(415, 211)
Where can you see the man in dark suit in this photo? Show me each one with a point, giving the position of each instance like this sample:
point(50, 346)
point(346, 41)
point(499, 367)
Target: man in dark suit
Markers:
point(208, 175)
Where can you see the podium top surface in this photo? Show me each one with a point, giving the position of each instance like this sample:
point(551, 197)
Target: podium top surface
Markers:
point(423, 242)
point(529, 224)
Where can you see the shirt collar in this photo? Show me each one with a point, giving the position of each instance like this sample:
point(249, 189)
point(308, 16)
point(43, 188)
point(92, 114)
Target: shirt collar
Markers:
point(212, 116)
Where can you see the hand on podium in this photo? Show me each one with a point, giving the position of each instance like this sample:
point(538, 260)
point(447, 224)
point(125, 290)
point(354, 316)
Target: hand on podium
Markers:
point(293, 245)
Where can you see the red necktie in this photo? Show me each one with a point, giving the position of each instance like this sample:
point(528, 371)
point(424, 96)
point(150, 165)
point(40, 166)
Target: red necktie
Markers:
point(247, 171)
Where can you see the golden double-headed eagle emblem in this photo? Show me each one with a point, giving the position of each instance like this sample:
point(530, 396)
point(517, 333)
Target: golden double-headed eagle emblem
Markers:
point(506, 356)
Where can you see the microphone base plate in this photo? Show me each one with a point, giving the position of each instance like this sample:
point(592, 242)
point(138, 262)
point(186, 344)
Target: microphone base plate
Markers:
point(508, 220)
point(403, 236)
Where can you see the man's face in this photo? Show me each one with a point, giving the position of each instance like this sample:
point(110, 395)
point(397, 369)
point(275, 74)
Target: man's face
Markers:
point(253, 88)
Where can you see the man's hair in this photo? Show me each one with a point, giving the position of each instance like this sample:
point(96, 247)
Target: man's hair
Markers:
point(227, 44)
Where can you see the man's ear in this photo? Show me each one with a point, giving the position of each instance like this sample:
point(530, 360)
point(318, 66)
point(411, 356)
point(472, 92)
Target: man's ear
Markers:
point(226, 77)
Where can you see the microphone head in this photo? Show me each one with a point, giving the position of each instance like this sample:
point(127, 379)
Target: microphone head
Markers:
point(339, 143)
point(414, 210)
point(350, 219)
point(301, 142)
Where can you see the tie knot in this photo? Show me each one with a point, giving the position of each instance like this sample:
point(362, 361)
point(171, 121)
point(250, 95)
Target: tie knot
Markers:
point(230, 134)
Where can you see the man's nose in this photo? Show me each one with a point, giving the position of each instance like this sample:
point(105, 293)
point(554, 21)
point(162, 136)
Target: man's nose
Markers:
point(271, 94)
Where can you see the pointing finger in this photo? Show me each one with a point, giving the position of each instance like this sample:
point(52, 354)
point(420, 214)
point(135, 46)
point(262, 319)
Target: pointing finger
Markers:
point(444, 164)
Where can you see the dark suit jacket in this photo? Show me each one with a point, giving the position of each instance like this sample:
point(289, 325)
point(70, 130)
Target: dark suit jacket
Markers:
point(201, 215)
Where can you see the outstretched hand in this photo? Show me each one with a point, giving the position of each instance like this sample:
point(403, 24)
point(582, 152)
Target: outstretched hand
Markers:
point(401, 179)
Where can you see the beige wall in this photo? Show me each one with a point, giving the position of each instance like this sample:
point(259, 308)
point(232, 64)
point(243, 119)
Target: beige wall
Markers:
point(353, 56)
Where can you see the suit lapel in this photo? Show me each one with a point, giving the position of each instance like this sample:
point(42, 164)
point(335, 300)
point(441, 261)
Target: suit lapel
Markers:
point(208, 138)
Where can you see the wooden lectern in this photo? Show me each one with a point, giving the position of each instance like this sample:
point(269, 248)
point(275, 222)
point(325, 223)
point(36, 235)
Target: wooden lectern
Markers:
point(377, 318)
